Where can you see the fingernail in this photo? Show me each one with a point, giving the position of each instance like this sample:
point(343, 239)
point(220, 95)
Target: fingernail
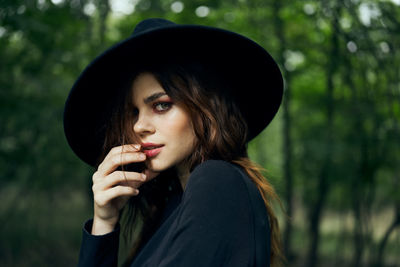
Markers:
point(143, 176)
point(137, 146)
point(137, 191)
point(142, 156)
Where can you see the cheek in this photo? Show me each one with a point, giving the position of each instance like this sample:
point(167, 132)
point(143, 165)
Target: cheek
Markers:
point(178, 125)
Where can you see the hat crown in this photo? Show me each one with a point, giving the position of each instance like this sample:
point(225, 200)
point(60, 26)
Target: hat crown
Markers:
point(150, 25)
point(253, 77)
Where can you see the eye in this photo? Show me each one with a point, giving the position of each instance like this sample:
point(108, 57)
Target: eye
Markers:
point(162, 106)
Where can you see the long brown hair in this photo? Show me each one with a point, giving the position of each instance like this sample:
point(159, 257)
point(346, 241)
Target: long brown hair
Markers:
point(221, 133)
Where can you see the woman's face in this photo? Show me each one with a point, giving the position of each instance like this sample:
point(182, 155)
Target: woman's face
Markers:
point(164, 128)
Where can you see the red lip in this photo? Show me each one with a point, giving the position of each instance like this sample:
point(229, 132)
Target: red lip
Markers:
point(151, 149)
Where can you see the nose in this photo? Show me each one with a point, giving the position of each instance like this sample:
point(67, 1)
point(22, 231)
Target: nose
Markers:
point(143, 125)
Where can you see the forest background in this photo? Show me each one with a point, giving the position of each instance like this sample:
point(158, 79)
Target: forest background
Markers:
point(333, 152)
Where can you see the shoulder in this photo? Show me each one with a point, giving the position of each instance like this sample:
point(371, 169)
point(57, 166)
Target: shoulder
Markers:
point(216, 174)
point(216, 194)
point(217, 184)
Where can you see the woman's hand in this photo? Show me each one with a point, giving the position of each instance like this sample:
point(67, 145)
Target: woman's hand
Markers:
point(112, 188)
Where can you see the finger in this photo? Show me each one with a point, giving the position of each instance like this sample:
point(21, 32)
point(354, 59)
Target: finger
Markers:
point(134, 184)
point(122, 149)
point(114, 161)
point(122, 178)
point(114, 192)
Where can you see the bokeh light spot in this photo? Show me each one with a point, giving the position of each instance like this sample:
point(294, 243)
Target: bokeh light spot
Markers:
point(177, 7)
point(352, 47)
point(202, 11)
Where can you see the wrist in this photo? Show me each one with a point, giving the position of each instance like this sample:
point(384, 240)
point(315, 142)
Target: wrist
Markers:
point(102, 227)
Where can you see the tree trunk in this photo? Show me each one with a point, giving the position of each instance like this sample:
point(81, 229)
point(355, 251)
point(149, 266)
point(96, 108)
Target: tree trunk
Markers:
point(315, 217)
point(323, 177)
point(358, 237)
point(287, 143)
point(104, 9)
point(382, 244)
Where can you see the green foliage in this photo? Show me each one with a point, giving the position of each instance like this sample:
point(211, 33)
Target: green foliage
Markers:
point(342, 67)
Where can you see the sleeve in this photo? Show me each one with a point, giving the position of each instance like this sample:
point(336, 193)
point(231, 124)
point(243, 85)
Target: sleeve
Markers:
point(215, 225)
point(98, 250)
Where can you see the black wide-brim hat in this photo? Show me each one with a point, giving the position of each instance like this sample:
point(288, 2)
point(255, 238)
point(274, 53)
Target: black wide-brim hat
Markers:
point(255, 80)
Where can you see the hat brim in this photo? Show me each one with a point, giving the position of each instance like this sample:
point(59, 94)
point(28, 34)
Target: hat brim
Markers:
point(256, 79)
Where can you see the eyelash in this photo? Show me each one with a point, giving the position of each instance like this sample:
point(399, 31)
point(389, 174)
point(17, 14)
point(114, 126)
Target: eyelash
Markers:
point(164, 109)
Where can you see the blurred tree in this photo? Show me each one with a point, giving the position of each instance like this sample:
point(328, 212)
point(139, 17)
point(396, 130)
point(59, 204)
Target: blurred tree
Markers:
point(280, 32)
point(334, 145)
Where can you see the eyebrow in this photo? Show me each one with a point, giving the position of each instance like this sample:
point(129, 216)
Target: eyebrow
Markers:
point(153, 97)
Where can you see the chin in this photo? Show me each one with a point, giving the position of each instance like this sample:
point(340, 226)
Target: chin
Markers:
point(155, 165)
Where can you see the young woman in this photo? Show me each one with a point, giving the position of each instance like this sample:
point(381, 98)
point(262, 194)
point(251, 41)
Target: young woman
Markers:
point(165, 116)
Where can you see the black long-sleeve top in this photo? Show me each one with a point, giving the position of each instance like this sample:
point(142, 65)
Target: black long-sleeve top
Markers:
point(219, 220)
